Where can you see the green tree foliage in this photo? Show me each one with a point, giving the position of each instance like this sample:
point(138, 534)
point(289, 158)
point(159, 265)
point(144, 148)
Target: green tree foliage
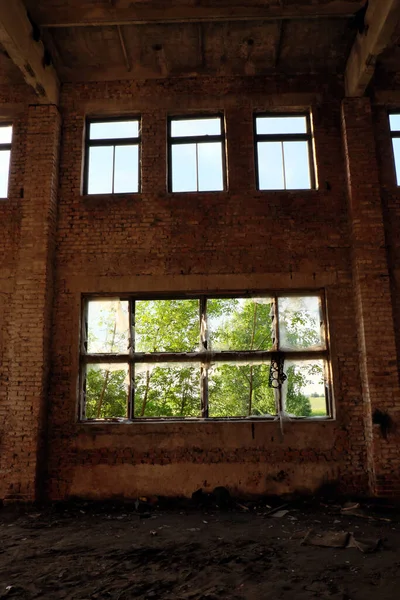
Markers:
point(106, 393)
point(234, 389)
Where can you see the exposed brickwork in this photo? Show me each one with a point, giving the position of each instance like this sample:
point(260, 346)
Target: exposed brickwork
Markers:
point(376, 336)
point(26, 404)
point(332, 238)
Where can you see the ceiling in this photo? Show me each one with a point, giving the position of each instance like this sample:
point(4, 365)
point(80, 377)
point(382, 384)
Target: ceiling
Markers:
point(140, 39)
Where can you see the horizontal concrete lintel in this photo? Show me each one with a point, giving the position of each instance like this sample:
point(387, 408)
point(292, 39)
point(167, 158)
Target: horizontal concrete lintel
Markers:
point(86, 283)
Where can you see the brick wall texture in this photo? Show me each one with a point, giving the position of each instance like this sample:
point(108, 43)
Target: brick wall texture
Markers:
point(57, 245)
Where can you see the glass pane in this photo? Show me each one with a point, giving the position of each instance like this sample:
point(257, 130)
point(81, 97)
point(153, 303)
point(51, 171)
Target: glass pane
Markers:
point(184, 170)
point(239, 324)
point(167, 326)
point(5, 134)
point(4, 172)
point(396, 152)
point(108, 327)
point(107, 389)
point(239, 391)
point(188, 127)
point(297, 165)
point(100, 170)
point(300, 323)
point(270, 166)
point(210, 167)
point(114, 130)
point(394, 122)
point(126, 175)
point(304, 391)
point(274, 125)
point(167, 390)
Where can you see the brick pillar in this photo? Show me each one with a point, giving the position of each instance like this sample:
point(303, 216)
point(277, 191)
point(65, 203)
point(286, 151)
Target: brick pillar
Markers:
point(23, 440)
point(375, 326)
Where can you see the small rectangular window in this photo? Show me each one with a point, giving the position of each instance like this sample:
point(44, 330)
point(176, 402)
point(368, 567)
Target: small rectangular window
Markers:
point(394, 121)
point(112, 156)
point(196, 154)
point(284, 152)
point(5, 154)
point(209, 356)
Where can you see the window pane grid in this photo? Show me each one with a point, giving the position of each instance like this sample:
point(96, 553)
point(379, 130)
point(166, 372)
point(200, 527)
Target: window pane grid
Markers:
point(394, 122)
point(179, 383)
point(112, 162)
point(5, 156)
point(196, 154)
point(284, 152)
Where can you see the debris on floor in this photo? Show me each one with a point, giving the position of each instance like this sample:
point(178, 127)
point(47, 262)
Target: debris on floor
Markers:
point(340, 539)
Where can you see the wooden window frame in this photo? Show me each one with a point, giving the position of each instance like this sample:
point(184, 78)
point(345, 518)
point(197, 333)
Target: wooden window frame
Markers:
point(395, 134)
point(197, 139)
point(203, 356)
point(133, 141)
point(285, 137)
point(8, 148)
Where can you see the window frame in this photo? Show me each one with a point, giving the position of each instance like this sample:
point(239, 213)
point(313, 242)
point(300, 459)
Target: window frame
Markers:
point(197, 140)
point(286, 137)
point(393, 135)
point(132, 358)
point(7, 147)
point(135, 141)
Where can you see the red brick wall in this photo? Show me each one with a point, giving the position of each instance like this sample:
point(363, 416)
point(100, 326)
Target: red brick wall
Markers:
point(231, 240)
point(239, 239)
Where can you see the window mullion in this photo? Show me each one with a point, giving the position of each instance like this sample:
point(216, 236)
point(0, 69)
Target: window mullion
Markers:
point(203, 366)
point(131, 396)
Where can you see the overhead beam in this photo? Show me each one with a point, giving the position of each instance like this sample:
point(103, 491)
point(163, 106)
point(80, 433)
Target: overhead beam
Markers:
point(381, 19)
point(88, 14)
point(28, 55)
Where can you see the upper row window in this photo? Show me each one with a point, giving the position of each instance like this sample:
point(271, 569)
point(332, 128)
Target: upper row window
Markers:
point(197, 154)
point(5, 153)
point(112, 157)
point(394, 121)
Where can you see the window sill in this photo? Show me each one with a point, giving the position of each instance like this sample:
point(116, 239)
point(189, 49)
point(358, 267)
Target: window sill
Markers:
point(158, 420)
point(109, 195)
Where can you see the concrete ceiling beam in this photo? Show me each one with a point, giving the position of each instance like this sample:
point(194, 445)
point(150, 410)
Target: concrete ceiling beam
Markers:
point(88, 14)
point(381, 19)
point(16, 36)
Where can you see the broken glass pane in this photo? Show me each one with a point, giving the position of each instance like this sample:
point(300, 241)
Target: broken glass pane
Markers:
point(304, 392)
point(167, 326)
point(297, 166)
point(239, 391)
point(270, 166)
point(281, 125)
point(126, 174)
point(112, 130)
point(239, 324)
point(396, 152)
point(5, 134)
point(167, 390)
point(184, 168)
point(100, 178)
point(108, 327)
point(195, 127)
point(210, 167)
point(107, 390)
point(4, 172)
point(300, 323)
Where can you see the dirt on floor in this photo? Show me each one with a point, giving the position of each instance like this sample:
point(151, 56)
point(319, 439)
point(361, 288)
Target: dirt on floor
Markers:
point(117, 552)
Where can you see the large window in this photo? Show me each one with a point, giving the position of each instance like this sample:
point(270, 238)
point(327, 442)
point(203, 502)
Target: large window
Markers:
point(5, 153)
point(196, 154)
point(394, 120)
point(112, 156)
point(210, 357)
point(284, 152)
